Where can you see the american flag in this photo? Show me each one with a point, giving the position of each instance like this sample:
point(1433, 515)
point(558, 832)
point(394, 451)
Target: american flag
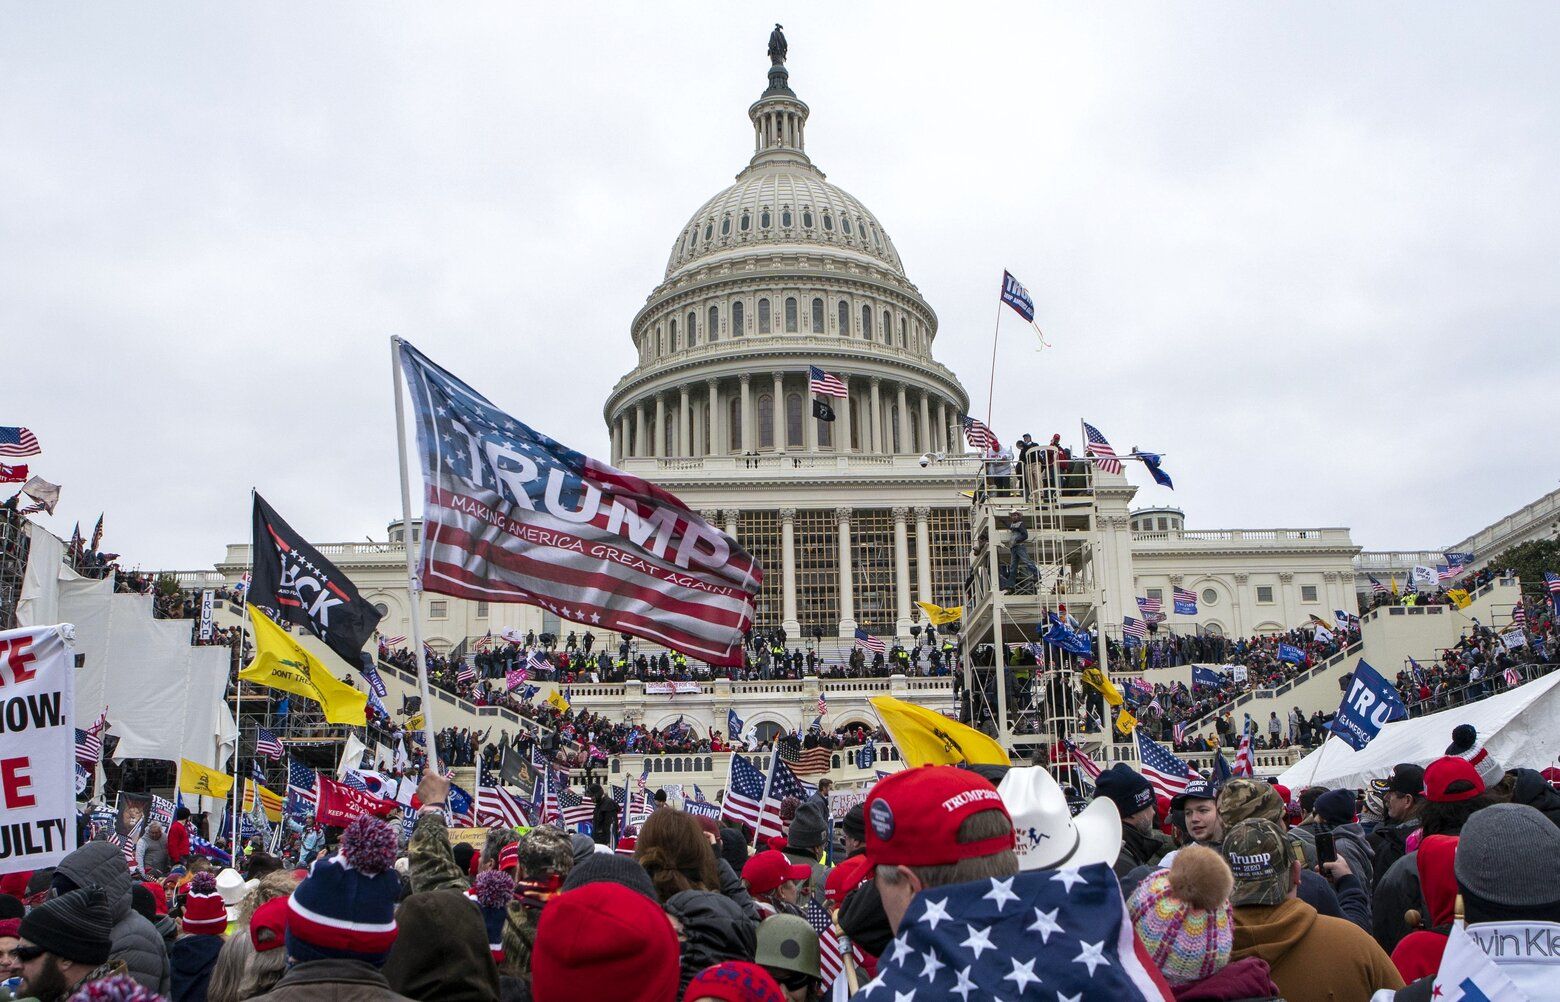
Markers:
point(1179, 730)
point(89, 742)
point(634, 807)
point(1552, 582)
point(268, 744)
point(814, 761)
point(1185, 601)
point(1243, 760)
point(1153, 609)
point(1081, 759)
point(484, 643)
point(829, 944)
point(1016, 296)
point(512, 515)
point(1447, 572)
point(395, 641)
point(18, 442)
point(301, 792)
point(1096, 446)
point(574, 809)
point(1512, 678)
point(1134, 628)
point(978, 435)
point(745, 800)
point(1519, 615)
point(538, 661)
point(867, 642)
point(825, 385)
point(1376, 587)
point(126, 844)
point(465, 673)
point(823, 705)
point(1164, 772)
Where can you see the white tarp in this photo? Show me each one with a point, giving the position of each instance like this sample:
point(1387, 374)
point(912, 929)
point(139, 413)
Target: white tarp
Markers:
point(1517, 726)
point(165, 698)
point(39, 603)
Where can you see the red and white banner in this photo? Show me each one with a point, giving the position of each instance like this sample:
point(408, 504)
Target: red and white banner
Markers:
point(37, 749)
point(340, 804)
point(13, 474)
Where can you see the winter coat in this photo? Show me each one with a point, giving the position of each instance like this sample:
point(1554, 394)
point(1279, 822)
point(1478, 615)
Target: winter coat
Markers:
point(191, 961)
point(1419, 952)
point(178, 839)
point(732, 887)
point(1313, 958)
point(1139, 849)
point(151, 854)
point(135, 940)
point(1389, 843)
point(863, 919)
point(441, 950)
point(714, 929)
point(1246, 980)
point(1349, 841)
point(1396, 892)
point(1533, 789)
point(332, 980)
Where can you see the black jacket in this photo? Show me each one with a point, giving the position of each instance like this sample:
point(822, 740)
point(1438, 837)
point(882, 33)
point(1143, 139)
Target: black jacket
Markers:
point(1533, 789)
point(192, 959)
point(714, 929)
point(1140, 848)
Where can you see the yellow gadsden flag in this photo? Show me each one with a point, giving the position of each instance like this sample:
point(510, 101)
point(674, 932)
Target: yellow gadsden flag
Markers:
point(937, 615)
point(556, 701)
point(1096, 680)
point(204, 782)
point(926, 737)
point(282, 663)
point(1125, 721)
point(1461, 597)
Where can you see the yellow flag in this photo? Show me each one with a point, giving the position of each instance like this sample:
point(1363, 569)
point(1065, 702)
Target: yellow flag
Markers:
point(1125, 721)
point(283, 663)
point(937, 615)
point(1461, 597)
point(1096, 680)
point(269, 801)
point(415, 722)
point(556, 701)
point(926, 737)
point(1394, 584)
point(197, 779)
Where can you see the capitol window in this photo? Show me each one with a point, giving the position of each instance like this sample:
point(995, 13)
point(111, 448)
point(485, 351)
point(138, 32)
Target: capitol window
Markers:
point(709, 231)
point(673, 326)
point(903, 341)
point(744, 223)
point(693, 328)
point(785, 216)
point(888, 328)
point(1210, 597)
point(1308, 593)
point(734, 424)
point(807, 218)
point(736, 319)
point(828, 222)
point(763, 316)
point(1265, 594)
point(482, 610)
point(763, 218)
point(845, 224)
point(844, 318)
point(438, 608)
point(1157, 594)
point(817, 318)
point(725, 227)
point(866, 321)
point(790, 315)
point(712, 332)
point(766, 421)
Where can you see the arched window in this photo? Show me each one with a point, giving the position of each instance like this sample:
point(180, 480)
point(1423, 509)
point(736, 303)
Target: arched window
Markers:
point(793, 420)
point(828, 222)
point(688, 244)
point(866, 321)
point(709, 231)
point(903, 337)
point(785, 216)
point(763, 316)
point(766, 421)
point(845, 224)
point(693, 328)
point(660, 342)
point(745, 222)
point(725, 226)
point(737, 310)
point(790, 315)
point(734, 423)
point(807, 218)
point(844, 318)
point(673, 327)
point(817, 316)
point(763, 218)
point(712, 329)
point(888, 328)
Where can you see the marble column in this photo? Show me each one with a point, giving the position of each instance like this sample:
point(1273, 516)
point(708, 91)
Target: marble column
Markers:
point(716, 440)
point(660, 425)
point(927, 445)
point(943, 445)
point(617, 457)
point(748, 438)
point(901, 572)
point(624, 435)
point(788, 572)
point(731, 522)
point(903, 445)
point(842, 437)
point(923, 553)
point(684, 423)
point(641, 446)
point(876, 444)
point(847, 581)
point(777, 413)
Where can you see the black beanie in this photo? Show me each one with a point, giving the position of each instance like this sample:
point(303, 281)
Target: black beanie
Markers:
point(855, 823)
point(610, 868)
point(142, 902)
point(76, 926)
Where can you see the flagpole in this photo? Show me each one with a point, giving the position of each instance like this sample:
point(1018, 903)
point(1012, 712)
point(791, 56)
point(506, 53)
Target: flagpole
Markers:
point(238, 691)
point(991, 385)
point(412, 593)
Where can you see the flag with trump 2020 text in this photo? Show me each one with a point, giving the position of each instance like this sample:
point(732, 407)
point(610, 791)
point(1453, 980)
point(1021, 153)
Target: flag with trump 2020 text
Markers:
point(511, 515)
point(293, 583)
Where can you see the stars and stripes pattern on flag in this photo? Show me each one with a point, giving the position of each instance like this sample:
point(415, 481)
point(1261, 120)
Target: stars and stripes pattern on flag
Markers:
point(824, 384)
point(1552, 582)
point(829, 953)
point(1015, 295)
point(268, 744)
point(465, 673)
point(1164, 772)
point(1178, 730)
point(18, 442)
point(483, 643)
point(89, 742)
point(511, 515)
point(1096, 446)
point(1134, 628)
point(538, 661)
point(978, 435)
point(1244, 765)
point(1519, 615)
point(1089, 768)
point(1512, 678)
point(814, 761)
point(782, 783)
point(823, 705)
point(301, 788)
point(1153, 609)
point(393, 641)
point(867, 642)
point(574, 809)
point(745, 801)
point(1185, 601)
point(634, 807)
point(1376, 587)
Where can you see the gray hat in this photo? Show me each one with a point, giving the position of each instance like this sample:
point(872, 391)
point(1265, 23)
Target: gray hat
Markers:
point(806, 831)
point(611, 868)
point(1508, 863)
point(582, 846)
point(788, 943)
point(76, 925)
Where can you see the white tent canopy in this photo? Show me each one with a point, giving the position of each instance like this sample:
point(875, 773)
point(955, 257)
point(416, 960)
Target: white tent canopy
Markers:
point(1518, 727)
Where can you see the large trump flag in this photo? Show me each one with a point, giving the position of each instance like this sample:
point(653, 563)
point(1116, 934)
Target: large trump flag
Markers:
point(511, 515)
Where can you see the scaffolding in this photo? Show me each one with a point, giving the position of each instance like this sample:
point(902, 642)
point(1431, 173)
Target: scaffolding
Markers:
point(14, 547)
point(1035, 552)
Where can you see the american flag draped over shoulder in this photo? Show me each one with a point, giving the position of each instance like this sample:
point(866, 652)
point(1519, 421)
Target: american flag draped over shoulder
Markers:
point(824, 384)
point(1164, 772)
point(513, 516)
point(978, 435)
point(1096, 446)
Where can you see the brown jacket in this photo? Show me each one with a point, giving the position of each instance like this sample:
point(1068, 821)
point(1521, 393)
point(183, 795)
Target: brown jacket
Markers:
point(1314, 958)
point(332, 981)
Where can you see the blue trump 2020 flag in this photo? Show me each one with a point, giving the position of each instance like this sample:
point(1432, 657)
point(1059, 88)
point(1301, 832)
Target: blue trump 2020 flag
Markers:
point(1068, 639)
point(1371, 702)
point(1016, 296)
point(1291, 653)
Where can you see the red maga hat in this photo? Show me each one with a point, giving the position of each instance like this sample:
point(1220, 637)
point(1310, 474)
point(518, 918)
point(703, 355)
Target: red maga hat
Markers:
point(913, 817)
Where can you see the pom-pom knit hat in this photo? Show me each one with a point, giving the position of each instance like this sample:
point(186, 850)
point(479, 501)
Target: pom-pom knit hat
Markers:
point(345, 908)
point(1466, 744)
point(1183, 915)
point(491, 894)
point(204, 913)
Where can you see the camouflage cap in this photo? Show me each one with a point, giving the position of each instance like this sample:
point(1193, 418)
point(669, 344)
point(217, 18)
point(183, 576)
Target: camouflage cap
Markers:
point(545, 852)
point(1242, 799)
point(787, 943)
point(1259, 855)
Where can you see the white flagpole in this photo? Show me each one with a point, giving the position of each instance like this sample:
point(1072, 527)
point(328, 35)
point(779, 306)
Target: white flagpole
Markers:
point(763, 800)
point(238, 695)
point(413, 595)
point(991, 386)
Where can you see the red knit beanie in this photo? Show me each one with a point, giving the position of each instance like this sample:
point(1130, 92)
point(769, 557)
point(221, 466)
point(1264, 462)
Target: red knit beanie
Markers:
point(204, 912)
point(604, 943)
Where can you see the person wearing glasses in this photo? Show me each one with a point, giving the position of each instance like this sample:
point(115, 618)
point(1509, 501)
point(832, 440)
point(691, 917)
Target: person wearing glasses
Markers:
point(63, 944)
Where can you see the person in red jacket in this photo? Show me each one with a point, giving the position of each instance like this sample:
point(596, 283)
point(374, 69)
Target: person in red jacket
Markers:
point(1419, 953)
point(179, 837)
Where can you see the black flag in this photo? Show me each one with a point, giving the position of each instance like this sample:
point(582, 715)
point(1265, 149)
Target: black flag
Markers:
point(822, 411)
point(292, 583)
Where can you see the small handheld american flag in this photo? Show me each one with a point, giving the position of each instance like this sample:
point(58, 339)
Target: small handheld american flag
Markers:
point(268, 744)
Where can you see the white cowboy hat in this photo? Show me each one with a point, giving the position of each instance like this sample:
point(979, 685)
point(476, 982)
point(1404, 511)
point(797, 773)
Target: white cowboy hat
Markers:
point(1048, 835)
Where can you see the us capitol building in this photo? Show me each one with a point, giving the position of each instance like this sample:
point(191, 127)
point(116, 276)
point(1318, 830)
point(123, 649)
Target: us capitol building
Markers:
point(854, 519)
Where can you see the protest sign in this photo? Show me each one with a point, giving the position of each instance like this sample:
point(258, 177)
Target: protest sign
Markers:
point(38, 751)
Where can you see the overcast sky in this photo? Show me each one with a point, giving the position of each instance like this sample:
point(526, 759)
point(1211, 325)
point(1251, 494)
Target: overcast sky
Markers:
point(1308, 251)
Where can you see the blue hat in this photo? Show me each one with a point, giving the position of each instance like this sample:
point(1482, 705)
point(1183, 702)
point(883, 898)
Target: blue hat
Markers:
point(1196, 789)
point(1335, 807)
point(1125, 787)
point(345, 907)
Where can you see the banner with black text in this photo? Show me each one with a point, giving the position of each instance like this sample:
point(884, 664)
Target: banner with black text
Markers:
point(37, 749)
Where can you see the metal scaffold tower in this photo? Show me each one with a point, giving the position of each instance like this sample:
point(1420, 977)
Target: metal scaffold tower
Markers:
point(1035, 553)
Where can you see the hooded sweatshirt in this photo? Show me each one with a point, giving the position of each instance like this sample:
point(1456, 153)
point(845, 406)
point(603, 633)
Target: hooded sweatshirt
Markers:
point(1533, 789)
point(441, 950)
point(1244, 980)
point(1419, 953)
point(134, 940)
point(191, 961)
point(1313, 958)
